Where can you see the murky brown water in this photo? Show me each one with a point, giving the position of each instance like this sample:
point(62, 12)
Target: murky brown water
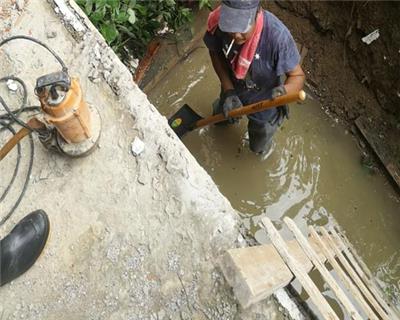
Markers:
point(313, 175)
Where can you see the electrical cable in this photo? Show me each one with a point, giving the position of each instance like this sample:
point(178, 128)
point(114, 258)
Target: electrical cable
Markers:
point(22, 37)
point(14, 117)
point(11, 117)
point(15, 173)
point(6, 122)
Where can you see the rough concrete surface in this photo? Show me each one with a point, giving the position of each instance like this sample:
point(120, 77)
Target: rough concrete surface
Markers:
point(131, 237)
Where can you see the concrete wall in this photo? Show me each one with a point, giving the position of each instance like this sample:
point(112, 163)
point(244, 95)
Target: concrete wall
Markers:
point(131, 237)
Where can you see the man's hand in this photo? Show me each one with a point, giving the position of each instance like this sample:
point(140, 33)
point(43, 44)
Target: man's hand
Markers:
point(283, 111)
point(278, 91)
point(230, 101)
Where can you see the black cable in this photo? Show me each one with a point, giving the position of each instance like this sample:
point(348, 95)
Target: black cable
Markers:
point(14, 176)
point(6, 122)
point(28, 175)
point(11, 117)
point(22, 37)
point(14, 115)
point(6, 116)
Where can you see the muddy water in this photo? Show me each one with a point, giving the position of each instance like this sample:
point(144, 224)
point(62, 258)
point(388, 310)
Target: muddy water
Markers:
point(313, 175)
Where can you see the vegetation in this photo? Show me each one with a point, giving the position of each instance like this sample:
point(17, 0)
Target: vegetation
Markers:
point(128, 25)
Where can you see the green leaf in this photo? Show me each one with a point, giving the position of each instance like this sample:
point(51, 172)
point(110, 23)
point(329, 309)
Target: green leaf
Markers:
point(132, 16)
point(86, 5)
point(109, 31)
point(125, 30)
point(185, 12)
point(97, 16)
point(114, 4)
point(141, 9)
point(205, 3)
point(167, 16)
point(89, 7)
point(128, 25)
point(122, 17)
point(100, 4)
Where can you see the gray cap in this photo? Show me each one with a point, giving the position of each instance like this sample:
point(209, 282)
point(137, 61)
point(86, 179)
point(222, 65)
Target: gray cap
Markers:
point(237, 15)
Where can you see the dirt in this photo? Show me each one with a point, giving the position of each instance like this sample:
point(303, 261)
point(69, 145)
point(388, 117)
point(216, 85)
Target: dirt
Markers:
point(350, 78)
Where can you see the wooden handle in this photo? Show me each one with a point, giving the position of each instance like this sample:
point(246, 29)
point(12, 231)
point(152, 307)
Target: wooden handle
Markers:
point(253, 108)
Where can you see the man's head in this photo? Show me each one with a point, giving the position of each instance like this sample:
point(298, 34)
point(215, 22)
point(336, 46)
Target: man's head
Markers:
point(238, 16)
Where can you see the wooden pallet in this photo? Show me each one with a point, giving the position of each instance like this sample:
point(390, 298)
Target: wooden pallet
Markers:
point(361, 298)
point(257, 272)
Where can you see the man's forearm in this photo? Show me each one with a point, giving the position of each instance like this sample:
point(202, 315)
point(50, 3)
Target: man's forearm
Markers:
point(221, 69)
point(295, 80)
point(294, 83)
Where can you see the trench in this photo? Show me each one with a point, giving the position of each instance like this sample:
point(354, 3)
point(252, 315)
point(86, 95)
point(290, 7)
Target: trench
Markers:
point(314, 174)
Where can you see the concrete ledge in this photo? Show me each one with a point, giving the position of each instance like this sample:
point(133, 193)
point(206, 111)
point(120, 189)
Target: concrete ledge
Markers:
point(131, 237)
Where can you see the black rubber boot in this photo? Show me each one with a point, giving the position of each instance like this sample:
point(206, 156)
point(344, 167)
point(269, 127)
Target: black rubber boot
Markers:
point(20, 249)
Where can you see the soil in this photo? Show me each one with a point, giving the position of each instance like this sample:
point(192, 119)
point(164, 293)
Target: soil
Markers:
point(350, 78)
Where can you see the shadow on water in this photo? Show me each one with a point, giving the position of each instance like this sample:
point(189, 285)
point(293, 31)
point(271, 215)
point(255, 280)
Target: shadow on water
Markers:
point(313, 175)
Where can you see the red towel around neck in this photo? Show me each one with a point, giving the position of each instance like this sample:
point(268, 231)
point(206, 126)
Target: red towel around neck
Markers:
point(241, 62)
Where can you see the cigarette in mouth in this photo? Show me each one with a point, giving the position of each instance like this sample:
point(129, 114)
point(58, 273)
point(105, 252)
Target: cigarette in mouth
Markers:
point(229, 48)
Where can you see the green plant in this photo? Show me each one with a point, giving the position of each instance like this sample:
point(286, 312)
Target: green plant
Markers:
point(128, 25)
point(205, 4)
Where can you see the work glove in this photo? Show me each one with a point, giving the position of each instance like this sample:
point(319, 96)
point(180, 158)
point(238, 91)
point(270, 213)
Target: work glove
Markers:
point(230, 101)
point(283, 111)
point(278, 91)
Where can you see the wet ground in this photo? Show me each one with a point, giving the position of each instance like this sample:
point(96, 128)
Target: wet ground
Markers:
point(313, 175)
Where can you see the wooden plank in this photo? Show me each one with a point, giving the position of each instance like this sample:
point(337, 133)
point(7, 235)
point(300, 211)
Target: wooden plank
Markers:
point(368, 280)
point(144, 63)
point(354, 276)
point(257, 272)
point(391, 168)
point(350, 252)
point(311, 254)
point(303, 52)
point(342, 275)
point(322, 305)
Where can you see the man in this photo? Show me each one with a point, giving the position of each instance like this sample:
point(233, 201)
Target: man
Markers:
point(252, 51)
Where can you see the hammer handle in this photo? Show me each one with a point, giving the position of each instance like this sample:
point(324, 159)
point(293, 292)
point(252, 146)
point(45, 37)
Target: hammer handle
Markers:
point(253, 108)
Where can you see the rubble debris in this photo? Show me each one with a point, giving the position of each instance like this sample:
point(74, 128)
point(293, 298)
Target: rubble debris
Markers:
point(137, 147)
point(368, 39)
point(288, 305)
point(94, 76)
point(19, 4)
point(69, 16)
point(12, 85)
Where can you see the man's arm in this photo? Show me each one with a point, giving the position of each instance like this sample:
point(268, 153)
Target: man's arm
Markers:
point(221, 69)
point(295, 79)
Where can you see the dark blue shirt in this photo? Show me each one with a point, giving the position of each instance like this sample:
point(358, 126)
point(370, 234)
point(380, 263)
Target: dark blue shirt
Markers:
point(276, 55)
